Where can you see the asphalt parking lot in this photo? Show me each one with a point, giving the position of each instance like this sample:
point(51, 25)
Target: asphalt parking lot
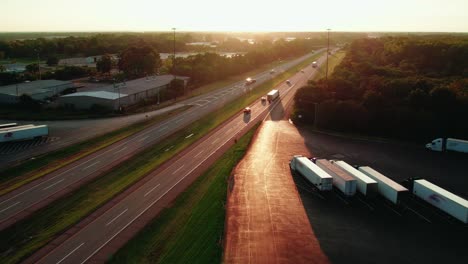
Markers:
point(363, 231)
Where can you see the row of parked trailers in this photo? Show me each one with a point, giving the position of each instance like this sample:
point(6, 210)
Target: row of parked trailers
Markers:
point(325, 174)
point(13, 132)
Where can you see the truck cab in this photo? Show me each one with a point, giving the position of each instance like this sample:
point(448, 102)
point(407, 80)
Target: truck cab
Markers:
point(436, 144)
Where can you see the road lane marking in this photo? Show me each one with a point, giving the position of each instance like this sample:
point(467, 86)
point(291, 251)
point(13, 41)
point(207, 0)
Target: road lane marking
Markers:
point(152, 189)
point(189, 136)
point(115, 218)
point(120, 150)
point(201, 151)
point(92, 165)
point(178, 169)
point(70, 253)
point(169, 148)
point(163, 128)
point(143, 138)
point(10, 207)
point(179, 120)
point(53, 184)
point(214, 141)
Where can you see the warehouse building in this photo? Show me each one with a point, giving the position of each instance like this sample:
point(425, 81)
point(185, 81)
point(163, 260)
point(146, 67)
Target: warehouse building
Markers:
point(38, 90)
point(121, 94)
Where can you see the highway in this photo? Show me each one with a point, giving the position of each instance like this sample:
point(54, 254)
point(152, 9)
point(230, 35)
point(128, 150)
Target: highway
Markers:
point(23, 201)
point(84, 245)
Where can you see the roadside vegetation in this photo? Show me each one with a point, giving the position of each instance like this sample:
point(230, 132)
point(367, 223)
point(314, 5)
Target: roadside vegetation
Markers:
point(410, 88)
point(25, 237)
point(172, 237)
point(19, 175)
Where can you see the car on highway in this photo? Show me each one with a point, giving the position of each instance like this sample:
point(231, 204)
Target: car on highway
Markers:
point(302, 71)
point(288, 82)
point(272, 71)
point(264, 98)
point(250, 81)
point(247, 110)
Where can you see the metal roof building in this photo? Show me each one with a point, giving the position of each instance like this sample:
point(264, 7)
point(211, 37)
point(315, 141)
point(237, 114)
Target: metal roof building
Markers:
point(38, 90)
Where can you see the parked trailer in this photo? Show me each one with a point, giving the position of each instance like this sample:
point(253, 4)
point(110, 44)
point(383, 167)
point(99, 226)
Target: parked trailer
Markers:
point(389, 189)
point(312, 173)
point(448, 144)
point(444, 200)
point(272, 95)
point(7, 125)
point(23, 133)
point(15, 127)
point(341, 179)
point(365, 185)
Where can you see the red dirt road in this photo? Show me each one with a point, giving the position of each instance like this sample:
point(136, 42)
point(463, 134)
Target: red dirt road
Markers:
point(266, 221)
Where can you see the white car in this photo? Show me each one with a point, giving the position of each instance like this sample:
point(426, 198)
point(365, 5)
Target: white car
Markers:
point(247, 110)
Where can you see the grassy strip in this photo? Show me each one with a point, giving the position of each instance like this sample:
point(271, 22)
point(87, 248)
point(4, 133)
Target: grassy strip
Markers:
point(190, 230)
point(17, 176)
point(27, 236)
point(333, 61)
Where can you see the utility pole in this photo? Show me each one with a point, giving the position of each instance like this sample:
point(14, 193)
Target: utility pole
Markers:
point(173, 59)
point(328, 50)
point(38, 64)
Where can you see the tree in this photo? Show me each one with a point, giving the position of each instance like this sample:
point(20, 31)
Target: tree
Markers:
point(104, 64)
point(52, 61)
point(176, 88)
point(138, 61)
point(32, 68)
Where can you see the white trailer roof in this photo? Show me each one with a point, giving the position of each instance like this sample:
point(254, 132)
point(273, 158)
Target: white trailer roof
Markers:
point(443, 192)
point(458, 140)
point(361, 176)
point(26, 127)
point(316, 169)
point(337, 170)
point(396, 186)
point(272, 92)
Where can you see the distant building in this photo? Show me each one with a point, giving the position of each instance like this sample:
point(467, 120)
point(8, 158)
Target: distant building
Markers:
point(122, 94)
point(83, 61)
point(14, 67)
point(38, 90)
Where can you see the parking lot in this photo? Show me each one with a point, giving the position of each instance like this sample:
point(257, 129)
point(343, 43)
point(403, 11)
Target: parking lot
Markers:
point(358, 230)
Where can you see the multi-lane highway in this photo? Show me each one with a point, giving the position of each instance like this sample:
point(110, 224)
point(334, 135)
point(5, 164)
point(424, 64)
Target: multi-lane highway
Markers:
point(21, 202)
point(84, 245)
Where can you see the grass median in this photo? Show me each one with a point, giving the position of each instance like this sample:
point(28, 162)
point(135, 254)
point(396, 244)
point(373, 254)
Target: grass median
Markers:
point(25, 237)
point(17, 176)
point(190, 231)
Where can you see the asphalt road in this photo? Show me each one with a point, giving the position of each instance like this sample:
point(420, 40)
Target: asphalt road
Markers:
point(21, 202)
point(67, 132)
point(89, 240)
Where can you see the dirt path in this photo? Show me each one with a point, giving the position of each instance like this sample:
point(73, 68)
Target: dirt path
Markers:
point(266, 221)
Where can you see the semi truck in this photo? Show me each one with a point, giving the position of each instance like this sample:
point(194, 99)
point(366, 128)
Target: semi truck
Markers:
point(315, 175)
point(341, 179)
point(23, 133)
point(389, 189)
point(448, 144)
point(444, 200)
point(272, 95)
point(364, 184)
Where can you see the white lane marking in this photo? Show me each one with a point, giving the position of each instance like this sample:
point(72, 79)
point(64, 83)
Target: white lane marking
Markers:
point(152, 189)
point(169, 148)
point(115, 218)
point(9, 207)
point(163, 128)
point(189, 136)
point(178, 169)
point(70, 253)
point(180, 119)
point(91, 165)
point(201, 151)
point(143, 138)
point(53, 184)
point(120, 150)
point(214, 141)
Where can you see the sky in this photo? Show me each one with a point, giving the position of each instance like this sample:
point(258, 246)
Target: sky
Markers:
point(234, 15)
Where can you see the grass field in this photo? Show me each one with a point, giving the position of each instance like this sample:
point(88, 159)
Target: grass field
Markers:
point(333, 61)
point(191, 230)
point(27, 236)
point(17, 176)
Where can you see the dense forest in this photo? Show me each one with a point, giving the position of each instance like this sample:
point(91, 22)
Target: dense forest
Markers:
point(413, 88)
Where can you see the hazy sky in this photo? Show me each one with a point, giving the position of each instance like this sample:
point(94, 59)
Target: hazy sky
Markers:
point(234, 15)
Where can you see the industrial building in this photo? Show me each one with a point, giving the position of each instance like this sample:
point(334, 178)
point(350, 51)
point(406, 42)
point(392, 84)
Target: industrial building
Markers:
point(38, 90)
point(119, 95)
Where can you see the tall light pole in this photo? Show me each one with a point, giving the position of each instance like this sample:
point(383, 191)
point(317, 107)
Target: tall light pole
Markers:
point(173, 59)
point(328, 50)
point(38, 65)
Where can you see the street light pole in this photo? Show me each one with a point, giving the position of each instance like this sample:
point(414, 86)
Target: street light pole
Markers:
point(38, 65)
point(328, 50)
point(173, 59)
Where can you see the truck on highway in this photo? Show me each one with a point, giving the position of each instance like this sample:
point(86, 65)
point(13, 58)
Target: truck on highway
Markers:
point(389, 189)
point(448, 144)
point(272, 95)
point(315, 175)
point(23, 133)
point(444, 200)
point(314, 64)
point(364, 184)
point(341, 179)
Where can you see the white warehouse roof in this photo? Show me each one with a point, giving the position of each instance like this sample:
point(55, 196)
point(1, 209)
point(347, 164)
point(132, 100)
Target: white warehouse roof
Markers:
point(97, 94)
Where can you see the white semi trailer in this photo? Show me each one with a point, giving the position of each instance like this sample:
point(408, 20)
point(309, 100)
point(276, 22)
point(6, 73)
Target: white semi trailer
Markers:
point(23, 133)
point(315, 175)
point(448, 144)
point(365, 185)
point(341, 179)
point(389, 189)
point(272, 95)
point(444, 200)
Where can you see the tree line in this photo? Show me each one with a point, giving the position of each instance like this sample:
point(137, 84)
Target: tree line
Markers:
point(413, 88)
